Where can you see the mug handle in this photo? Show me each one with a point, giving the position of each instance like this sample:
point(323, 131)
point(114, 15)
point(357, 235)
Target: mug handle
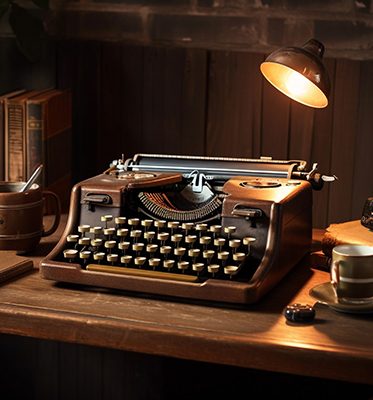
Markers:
point(57, 216)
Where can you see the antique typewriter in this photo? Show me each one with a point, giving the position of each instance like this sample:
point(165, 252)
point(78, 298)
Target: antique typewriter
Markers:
point(216, 229)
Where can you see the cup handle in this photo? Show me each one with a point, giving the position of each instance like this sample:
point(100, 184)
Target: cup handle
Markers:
point(334, 272)
point(57, 216)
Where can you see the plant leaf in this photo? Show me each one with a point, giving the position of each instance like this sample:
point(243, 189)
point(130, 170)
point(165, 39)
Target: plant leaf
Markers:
point(44, 4)
point(29, 31)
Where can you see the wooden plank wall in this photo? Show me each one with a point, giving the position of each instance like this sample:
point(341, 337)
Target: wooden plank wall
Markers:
point(130, 99)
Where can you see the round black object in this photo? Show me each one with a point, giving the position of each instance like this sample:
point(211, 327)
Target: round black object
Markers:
point(299, 313)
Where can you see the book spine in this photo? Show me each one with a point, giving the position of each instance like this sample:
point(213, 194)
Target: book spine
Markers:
point(34, 137)
point(16, 156)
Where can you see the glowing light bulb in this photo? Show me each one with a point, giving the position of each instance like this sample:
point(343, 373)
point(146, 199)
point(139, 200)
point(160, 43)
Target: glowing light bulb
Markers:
point(297, 84)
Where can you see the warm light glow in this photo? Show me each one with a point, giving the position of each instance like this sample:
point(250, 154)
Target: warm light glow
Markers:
point(294, 85)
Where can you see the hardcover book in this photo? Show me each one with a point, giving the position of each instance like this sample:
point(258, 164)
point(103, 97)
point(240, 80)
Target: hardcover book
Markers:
point(2, 129)
point(48, 140)
point(15, 138)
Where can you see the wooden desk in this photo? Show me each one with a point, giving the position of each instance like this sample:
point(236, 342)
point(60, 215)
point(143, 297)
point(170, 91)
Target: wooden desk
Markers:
point(335, 346)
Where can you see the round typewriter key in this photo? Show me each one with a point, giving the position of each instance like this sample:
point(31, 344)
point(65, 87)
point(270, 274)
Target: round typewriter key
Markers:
point(198, 267)
point(138, 248)
point(247, 241)
point(146, 223)
point(165, 250)
point(213, 269)
point(99, 256)
point(215, 229)
point(126, 260)
point(194, 253)
point(239, 257)
point(168, 264)
point(112, 258)
point(136, 233)
point(173, 225)
point(122, 232)
point(190, 239)
point(84, 241)
point(83, 229)
point(96, 230)
point(201, 228)
point(123, 245)
point(70, 254)
point(72, 238)
point(140, 261)
point(106, 219)
point(179, 251)
point(96, 242)
point(151, 248)
point(223, 255)
point(234, 244)
point(230, 270)
point(149, 236)
point(229, 230)
point(208, 254)
point(176, 238)
point(110, 244)
point(154, 262)
point(187, 226)
point(120, 220)
point(299, 313)
point(183, 265)
point(160, 223)
point(133, 221)
point(109, 232)
point(219, 242)
point(205, 240)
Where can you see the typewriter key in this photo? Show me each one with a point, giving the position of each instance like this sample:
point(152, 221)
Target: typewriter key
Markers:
point(213, 269)
point(70, 254)
point(83, 229)
point(198, 267)
point(230, 270)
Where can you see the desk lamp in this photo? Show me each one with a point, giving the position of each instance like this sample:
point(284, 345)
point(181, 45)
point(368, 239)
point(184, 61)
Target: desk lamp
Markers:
point(299, 73)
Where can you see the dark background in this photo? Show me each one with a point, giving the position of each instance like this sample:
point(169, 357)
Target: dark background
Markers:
point(182, 77)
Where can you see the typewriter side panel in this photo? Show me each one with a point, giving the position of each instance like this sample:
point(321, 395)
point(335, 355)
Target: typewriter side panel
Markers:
point(281, 224)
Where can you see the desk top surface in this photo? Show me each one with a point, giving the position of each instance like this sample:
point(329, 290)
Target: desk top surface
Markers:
point(334, 346)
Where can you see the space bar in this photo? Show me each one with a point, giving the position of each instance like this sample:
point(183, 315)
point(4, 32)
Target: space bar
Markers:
point(142, 273)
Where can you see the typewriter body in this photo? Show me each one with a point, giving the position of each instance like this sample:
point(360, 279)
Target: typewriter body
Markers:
point(215, 229)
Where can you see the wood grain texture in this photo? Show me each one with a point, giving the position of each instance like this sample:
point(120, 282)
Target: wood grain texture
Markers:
point(362, 186)
point(234, 99)
point(345, 108)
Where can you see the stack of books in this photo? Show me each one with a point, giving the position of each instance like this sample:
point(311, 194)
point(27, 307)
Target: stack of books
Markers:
point(35, 128)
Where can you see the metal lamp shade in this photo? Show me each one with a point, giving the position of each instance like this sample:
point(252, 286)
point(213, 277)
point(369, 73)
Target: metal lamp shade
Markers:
point(299, 73)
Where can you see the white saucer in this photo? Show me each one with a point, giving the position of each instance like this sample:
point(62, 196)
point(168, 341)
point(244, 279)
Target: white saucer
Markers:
point(325, 294)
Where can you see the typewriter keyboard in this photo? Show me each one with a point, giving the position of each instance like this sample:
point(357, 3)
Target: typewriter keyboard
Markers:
point(159, 249)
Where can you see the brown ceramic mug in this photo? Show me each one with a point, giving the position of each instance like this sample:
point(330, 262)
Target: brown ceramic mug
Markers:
point(21, 216)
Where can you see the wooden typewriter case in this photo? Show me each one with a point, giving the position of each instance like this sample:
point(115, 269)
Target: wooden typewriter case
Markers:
point(276, 211)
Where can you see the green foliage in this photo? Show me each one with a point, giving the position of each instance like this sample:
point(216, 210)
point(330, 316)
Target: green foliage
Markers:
point(27, 25)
